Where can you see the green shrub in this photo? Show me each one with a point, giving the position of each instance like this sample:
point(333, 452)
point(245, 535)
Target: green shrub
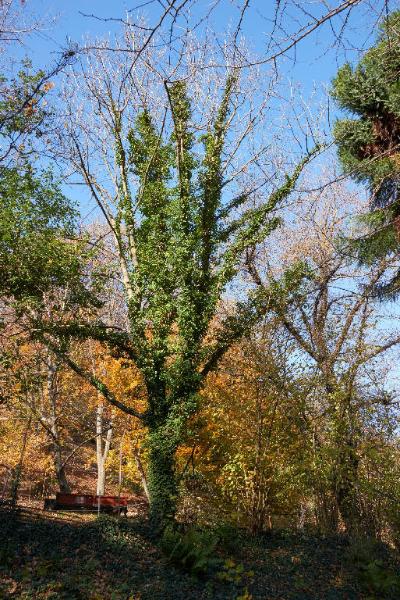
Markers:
point(379, 581)
point(192, 550)
point(374, 576)
point(228, 536)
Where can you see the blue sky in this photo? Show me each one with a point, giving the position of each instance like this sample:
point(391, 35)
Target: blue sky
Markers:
point(310, 66)
point(316, 63)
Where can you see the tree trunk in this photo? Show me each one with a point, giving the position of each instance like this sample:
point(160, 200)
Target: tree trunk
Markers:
point(101, 479)
point(18, 469)
point(162, 484)
point(345, 468)
point(57, 453)
point(345, 481)
point(52, 393)
point(259, 491)
point(60, 470)
point(102, 452)
point(140, 468)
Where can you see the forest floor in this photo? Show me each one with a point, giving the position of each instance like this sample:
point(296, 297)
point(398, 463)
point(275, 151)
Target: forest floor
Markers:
point(48, 556)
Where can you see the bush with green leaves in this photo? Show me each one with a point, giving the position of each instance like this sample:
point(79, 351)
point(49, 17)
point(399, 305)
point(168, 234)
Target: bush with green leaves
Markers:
point(37, 229)
point(192, 550)
point(373, 570)
point(379, 581)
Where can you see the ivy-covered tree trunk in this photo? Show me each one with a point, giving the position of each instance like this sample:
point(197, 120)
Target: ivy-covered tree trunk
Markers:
point(344, 469)
point(167, 420)
point(345, 476)
point(161, 477)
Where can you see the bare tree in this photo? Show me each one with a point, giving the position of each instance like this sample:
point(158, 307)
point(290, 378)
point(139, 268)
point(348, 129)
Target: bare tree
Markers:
point(24, 118)
point(285, 25)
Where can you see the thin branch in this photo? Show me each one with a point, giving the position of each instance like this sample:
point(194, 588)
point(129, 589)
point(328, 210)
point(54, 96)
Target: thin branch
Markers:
point(99, 385)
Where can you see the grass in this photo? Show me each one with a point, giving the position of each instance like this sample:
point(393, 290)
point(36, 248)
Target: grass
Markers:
point(45, 556)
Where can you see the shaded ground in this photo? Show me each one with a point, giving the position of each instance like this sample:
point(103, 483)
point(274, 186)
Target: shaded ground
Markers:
point(68, 557)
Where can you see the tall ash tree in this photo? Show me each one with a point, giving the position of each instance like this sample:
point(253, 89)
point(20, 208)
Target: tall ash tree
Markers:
point(191, 185)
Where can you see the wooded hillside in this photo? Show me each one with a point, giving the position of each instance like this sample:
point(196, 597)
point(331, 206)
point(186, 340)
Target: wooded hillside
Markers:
point(199, 275)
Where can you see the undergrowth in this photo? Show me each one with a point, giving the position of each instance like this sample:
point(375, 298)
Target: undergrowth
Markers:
point(48, 558)
point(375, 573)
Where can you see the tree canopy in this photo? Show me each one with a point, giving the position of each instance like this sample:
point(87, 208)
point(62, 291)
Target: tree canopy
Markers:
point(36, 221)
point(368, 143)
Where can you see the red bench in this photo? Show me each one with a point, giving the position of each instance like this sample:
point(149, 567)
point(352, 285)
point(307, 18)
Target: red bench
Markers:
point(87, 503)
